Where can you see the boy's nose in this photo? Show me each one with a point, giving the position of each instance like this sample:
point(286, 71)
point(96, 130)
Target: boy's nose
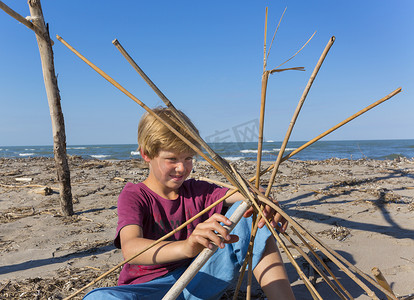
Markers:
point(179, 167)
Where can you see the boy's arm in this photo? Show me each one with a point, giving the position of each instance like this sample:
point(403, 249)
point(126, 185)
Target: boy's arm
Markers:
point(204, 235)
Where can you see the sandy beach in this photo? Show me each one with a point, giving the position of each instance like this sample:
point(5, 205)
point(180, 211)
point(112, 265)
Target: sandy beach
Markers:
point(363, 209)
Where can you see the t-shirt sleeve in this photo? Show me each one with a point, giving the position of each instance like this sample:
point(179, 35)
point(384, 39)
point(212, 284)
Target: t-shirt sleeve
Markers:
point(130, 210)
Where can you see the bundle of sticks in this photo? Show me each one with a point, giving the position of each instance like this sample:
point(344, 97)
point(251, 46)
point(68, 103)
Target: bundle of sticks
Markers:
point(254, 197)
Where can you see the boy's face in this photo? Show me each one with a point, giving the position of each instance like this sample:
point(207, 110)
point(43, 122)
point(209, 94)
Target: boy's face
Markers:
point(170, 169)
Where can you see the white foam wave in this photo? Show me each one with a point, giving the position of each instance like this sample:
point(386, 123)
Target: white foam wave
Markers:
point(135, 153)
point(26, 154)
point(233, 158)
point(99, 156)
point(286, 149)
point(254, 151)
point(76, 148)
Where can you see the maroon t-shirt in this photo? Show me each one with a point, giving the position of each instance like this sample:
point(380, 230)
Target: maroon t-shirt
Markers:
point(157, 216)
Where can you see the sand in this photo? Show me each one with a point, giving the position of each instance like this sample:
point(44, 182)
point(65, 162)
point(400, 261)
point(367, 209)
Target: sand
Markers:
point(363, 209)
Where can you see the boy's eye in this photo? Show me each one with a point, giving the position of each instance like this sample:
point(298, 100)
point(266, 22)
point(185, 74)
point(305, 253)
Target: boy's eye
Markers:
point(189, 158)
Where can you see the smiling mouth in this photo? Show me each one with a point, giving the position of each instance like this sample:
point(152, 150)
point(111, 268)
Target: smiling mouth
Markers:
point(177, 177)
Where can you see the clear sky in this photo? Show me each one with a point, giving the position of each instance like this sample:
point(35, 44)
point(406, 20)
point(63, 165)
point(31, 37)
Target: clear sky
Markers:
point(206, 56)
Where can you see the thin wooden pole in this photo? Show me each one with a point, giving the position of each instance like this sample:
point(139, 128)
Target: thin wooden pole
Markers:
point(349, 119)
point(265, 78)
point(274, 34)
point(56, 115)
point(332, 129)
point(184, 225)
point(382, 281)
point(205, 255)
point(228, 173)
point(296, 114)
point(331, 254)
point(140, 103)
point(202, 258)
point(183, 123)
point(294, 54)
point(287, 136)
point(264, 44)
point(39, 31)
point(321, 261)
point(314, 266)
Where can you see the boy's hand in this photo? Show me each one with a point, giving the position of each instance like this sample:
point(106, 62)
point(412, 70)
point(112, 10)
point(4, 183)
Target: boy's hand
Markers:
point(207, 233)
point(275, 219)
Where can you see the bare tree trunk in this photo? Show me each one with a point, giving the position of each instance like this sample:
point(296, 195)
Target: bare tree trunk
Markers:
point(58, 124)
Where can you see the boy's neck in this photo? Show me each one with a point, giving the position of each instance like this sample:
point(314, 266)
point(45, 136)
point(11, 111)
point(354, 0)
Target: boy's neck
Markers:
point(164, 192)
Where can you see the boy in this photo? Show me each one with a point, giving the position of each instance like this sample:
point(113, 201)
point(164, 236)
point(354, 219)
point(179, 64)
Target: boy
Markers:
point(165, 200)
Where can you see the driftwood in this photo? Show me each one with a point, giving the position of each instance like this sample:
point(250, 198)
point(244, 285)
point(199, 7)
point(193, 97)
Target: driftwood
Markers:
point(53, 97)
point(58, 126)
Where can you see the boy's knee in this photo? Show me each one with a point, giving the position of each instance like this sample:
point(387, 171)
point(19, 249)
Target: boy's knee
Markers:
point(101, 293)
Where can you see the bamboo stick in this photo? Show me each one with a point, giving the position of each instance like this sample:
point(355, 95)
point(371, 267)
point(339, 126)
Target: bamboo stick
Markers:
point(153, 244)
point(290, 128)
point(381, 280)
point(362, 111)
point(226, 172)
point(321, 261)
point(332, 129)
point(296, 114)
point(295, 53)
point(331, 254)
point(314, 266)
point(265, 78)
point(205, 254)
point(274, 34)
point(258, 194)
point(264, 44)
point(217, 159)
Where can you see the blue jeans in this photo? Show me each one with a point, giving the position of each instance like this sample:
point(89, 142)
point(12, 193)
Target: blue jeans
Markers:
point(221, 270)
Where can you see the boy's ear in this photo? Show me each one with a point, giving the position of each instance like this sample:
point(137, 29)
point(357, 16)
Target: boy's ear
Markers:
point(144, 156)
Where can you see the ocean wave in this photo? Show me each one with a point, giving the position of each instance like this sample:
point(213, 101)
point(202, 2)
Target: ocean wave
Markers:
point(286, 149)
point(99, 156)
point(233, 158)
point(255, 151)
point(76, 148)
point(26, 154)
point(135, 153)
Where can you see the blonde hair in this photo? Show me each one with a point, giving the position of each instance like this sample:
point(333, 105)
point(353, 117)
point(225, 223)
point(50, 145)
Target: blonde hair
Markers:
point(154, 136)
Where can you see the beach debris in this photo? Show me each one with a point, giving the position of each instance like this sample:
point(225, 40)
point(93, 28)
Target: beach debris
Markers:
point(15, 213)
point(45, 191)
point(337, 232)
point(120, 179)
point(24, 179)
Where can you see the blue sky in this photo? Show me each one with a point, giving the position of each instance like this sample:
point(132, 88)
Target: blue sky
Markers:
point(206, 56)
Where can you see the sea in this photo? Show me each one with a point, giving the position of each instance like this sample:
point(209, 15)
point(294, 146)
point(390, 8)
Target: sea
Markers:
point(321, 150)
